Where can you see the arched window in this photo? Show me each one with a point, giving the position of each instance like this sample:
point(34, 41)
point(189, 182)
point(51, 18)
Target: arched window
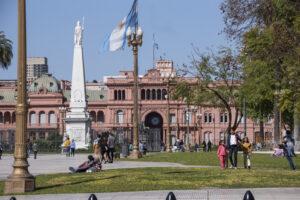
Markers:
point(143, 94)
point(120, 117)
point(187, 117)
point(148, 94)
point(210, 118)
point(222, 136)
point(42, 117)
point(164, 94)
point(159, 94)
point(153, 94)
point(93, 116)
point(208, 136)
point(223, 118)
point(1, 117)
point(119, 94)
point(32, 119)
point(100, 117)
point(115, 95)
point(207, 117)
point(123, 95)
point(6, 118)
point(13, 117)
point(52, 118)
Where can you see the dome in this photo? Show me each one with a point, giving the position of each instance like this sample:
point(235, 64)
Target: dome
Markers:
point(45, 82)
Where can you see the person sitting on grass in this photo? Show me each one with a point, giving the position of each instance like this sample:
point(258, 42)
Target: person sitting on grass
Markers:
point(91, 164)
point(278, 151)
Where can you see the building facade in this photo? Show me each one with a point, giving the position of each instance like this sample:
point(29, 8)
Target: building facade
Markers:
point(110, 106)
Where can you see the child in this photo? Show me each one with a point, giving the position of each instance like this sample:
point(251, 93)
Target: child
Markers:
point(278, 151)
point(222, 154)
point(247, 148)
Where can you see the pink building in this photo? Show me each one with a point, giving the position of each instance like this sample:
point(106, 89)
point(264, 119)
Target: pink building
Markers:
point(110, 105)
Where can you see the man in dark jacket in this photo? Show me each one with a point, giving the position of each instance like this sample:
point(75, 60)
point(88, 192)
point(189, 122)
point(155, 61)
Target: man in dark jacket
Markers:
point(233, 140)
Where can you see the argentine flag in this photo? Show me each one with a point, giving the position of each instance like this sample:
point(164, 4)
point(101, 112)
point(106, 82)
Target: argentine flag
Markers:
point(117, 39)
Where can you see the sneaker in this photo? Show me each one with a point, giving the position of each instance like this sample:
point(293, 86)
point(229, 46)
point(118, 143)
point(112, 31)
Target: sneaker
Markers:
point(231, 167)
point(72, 169)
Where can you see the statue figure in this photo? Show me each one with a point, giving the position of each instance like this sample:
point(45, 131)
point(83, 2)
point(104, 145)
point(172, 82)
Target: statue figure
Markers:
point(78, 34)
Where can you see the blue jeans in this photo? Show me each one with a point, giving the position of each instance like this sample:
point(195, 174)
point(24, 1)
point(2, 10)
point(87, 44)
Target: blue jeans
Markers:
point(289, 154)
point(233, 151)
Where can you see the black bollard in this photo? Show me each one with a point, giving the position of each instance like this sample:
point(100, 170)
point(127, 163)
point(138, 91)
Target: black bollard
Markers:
point(92, 197)
point(171, 196)
point(12, 198)
point(248, 195)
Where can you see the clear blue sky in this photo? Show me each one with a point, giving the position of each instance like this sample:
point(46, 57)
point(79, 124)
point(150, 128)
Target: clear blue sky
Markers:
point(50, 27)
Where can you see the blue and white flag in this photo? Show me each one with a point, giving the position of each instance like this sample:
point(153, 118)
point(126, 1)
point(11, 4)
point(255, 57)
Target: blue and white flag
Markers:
point(117, 39)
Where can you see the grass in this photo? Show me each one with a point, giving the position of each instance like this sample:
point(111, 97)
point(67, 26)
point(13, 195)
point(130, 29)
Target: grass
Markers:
point(162, 179)
point(258, 161)
point(266, 172)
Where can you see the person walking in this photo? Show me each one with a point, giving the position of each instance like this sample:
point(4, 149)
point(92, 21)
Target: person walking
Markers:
point(204, 145)
point(66, 146)
point(290, 139)
point(35, 149)
point(29, 147)
point(111, 147)
point(222, 154)
point(247, 149)
point(288, 151)
point(233, 141)
point(96, 147)
point(72, 147)
point(1, 150)
point(209, 146)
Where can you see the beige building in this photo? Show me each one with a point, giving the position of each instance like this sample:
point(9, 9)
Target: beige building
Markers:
point(36, 67)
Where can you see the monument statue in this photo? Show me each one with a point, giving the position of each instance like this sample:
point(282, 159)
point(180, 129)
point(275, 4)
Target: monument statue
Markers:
point(78, 34)
point(77, 118)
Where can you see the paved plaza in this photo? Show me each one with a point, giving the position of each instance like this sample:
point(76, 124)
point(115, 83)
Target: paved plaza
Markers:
point(204, 194)
point(57, 163)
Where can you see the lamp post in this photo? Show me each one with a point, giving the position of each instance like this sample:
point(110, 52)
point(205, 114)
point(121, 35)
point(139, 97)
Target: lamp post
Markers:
point(199, 118)
point(21, 180)
point(135, 39)
point(167, 78)
point(187, 117)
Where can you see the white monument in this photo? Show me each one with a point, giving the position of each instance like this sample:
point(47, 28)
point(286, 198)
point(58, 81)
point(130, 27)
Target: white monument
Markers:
point(77, 119)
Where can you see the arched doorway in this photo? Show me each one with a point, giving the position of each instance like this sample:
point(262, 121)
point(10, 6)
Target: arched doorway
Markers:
point(154, 129)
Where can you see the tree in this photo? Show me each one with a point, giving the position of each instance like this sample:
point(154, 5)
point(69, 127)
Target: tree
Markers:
point(268, 32)
point(5, 51)
point(217, 83)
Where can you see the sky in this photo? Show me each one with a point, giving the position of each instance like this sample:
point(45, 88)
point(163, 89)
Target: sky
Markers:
point(177, 25)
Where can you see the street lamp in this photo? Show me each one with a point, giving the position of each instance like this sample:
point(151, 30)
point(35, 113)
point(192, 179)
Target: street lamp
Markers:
point(135, 39)
point(199, 120)
point(21, 180)
point(167, 77)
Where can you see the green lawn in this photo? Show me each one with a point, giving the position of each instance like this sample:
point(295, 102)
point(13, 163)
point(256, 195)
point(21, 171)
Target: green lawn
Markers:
point(266, 172)
point(162, 179)
point(258, 161)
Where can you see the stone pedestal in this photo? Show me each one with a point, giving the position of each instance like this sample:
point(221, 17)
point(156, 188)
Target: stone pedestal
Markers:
point(19, 185)
point(79, 130)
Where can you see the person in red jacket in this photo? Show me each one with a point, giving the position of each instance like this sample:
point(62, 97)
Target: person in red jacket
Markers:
point(222, 154)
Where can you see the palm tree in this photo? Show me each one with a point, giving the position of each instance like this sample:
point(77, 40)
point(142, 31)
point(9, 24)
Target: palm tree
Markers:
point(5, 51)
